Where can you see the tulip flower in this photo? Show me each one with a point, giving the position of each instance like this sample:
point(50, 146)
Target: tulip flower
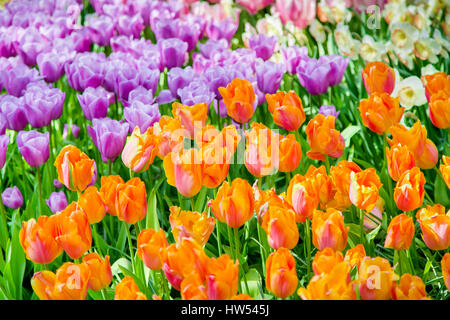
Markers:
point(191, 224)
point(92, 204)
point(376, 279)
point(436, 82)
point(43, 283)
point(193, 288)
point(281, 273)
point(435, 226)
point(399, 160)
point(127, 289)
point(400, 233)
point(303, 195)
point(269, 75)
point(379, 78)
point(354, 255)
point(234, 204)
point(36, 238)
point(439, 109)
point(94, 102)
point(191, 117)
point(4, 141)
point(444, 168)
point(325, 261)
point(364, 188)
point(222, 278)
point(101, 275)
point(12, 198)
point(409, 191)
point(108, 192)
point(323, 138)
point(109, 137)
point(445, 267)
point(171, 135)
point(410, 288)
point(183, 259)
point(262, 44)
point(415, 138)
point(292, 56)
point(72, 230)
point(329, 111)
point(380, 112)
point(286, 109)
point(290, 153)
point(340, 176)
point(261, 150)
point(57, 201)
point(184, 171)
point(75, 169)
point(328, 230)
point(279, 224)
point(335, 285)
point(216, 159)
point(172, 53)
point(150, 247)
point(33, 146)
point(314, 75)
point(323, 185)
point(131, 201)
point(239, 98)
point(140, 150)
point(207, 135)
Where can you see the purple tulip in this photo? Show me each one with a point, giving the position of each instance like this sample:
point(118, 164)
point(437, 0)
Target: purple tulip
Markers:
point(313, 75)
point(3, 123)
point(166, 29)
point(7, 48)
point(221, 30)
point(200, 64)
point(263, 45)
point(12, 198)
point(178, 78)
point(81, 39)
point(329, 111)
point(130, 26)
point(269, 75)
point(51, 65)
point(43, 105)
point(109, 137)
point(73, 128)
point(5, 18)
point(4, 141)
point(216, 77)
point(196, 92)
point(173, 53)
point(86, 70)
point(102, 29)
point(292, 56)
point(95, 102)
point(210, 46)
point(338, 65)
point(17, 78)
point(126, 80)
point(31, 45)
point(141, 115)
point(142, 95)
point(57, 201)
point(57, 184)
point(165, 96)
point(33, 146)
point(116, 62)
point(14, 111)
point(222, 108)
point(189, 33)
point(148, 77)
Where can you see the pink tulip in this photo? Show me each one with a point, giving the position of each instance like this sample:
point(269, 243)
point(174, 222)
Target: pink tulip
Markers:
point(300, 12)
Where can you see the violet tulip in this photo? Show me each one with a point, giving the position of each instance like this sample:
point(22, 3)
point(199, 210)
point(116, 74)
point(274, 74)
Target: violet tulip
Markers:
point(4, 142)
point(95, 102)
point(33, 145)
point(12, 198)
point(173, 53)
point(57, 201)
point(263, 45)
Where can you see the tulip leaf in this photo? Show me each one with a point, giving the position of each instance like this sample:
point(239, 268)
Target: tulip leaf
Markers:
point(372, 234)
point(122, 262)
point(152, 211)
point(441, 192)
point(348, 133)
point(254, 283)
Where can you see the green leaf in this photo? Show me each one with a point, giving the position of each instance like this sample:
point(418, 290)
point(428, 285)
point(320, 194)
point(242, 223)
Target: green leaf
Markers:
point(122, 262)
point(348, 133)
point(254, 283)
point(441, 192)
point(152, 213)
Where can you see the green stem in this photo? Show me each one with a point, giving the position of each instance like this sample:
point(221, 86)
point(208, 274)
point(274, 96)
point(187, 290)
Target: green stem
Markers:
point(219, 241)
point(96, 238)
point(130, 246)
point(327, 164)
point(238, 257)
point(361, 227)
point(261, 248)
point(308, 249)
point(109, 167)
point(41, 200)
point(192, 204)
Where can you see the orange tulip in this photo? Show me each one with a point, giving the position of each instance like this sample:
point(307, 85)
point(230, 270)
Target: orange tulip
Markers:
point(127, 289)
point(410, 288)
point(335, 285)
point(108, 192)
point(38, 242)
point(322, 183)
point(378, 77)
point(150, 247)
point(340, 176)
point(140, 150)
point(75, 169)
point(101, 275)
point(445, 267)
point(43, 283)
point(207, 134)
point(281, 273)
point(380, 112)
point(424, 150)
point(191, 117)
point(264, 198)
point(399, 160)
point(354, 255)
point(290, 153)
point(279, 224)
point(435, 226)
point(440, 109)
point(171, 135)
point(222, 278)
point(191, 224)
point(131, 201)
point(409, 191)
point(376, 279)
point(328, 230)
point(215, 164)
point(302, 195)
point(262, 150)
point(323, 138)
point(286, 109)
point(239, 98)
point(72, 231)
point(233, 205)
point(182, 259)
point(436, 82)
point(400, 233)
point(325, 261)
point(364, 186)
point(184, 171)
point(193, 288)
point(92, 204)
point(445, 170)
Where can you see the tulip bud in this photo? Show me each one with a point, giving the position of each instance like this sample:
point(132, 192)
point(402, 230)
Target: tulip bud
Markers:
point(131, 201)
point(325, 261)
point(436, 82)
point(12, 198)
point(91, 202)
point(286, 109)
point(191, 117)
point(191, 224)
point(400, 233)
point(323, 138)
point(445, 170)
point(140, 150)
point(108, 192)
point(399, 159)
point(410, 288)
point(127, 289)
point(222, 278)
point(364, 186)
point(279, 224)
point(150, 247)
point(376, 279)
point(409, 191)
point(328, 230)
point(101, 275)
point(440, 109)
point(435, 226)
point(33, 146)
point(378, 77)
point(281, 273)
point(239, 98)
point(290, 153)
point(303, 196)
point(354, 255)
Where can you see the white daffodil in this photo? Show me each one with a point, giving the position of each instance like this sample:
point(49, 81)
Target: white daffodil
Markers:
point(427, 70)
point(339, 11)
point(404, 35)
point(421, 18)
point(347, 45)
point(371, 50)
point(410, 91)
point(426, 48)
point(317, 30)
point(445, 44)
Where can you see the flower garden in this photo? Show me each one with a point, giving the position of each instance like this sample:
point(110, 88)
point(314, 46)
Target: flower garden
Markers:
point(224, 150)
